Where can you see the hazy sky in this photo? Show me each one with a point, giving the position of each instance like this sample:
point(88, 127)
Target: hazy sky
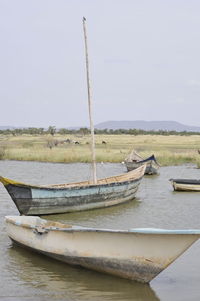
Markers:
point(144, 61)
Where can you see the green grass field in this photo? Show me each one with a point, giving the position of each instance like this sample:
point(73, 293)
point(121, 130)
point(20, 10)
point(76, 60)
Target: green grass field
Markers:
point(169, 150)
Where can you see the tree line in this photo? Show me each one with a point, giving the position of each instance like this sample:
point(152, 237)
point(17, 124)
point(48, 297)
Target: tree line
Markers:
point(85, 131)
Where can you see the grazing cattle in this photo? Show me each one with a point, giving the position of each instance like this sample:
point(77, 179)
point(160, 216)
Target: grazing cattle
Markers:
point(67, 141)
point(76, 142)
point(103, 142)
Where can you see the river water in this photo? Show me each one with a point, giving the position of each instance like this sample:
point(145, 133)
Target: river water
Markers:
point(29, 276)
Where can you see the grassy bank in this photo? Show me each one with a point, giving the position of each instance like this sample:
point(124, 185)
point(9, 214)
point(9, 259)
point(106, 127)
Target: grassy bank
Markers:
point(169, 150)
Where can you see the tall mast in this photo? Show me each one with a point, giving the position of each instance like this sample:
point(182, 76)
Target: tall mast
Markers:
point(94, 169)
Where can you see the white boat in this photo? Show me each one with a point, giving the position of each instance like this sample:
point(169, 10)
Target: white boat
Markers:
point(136, 254)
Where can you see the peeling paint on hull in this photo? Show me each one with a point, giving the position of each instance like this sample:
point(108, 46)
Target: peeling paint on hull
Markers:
point(136, 254)
point(42, 200)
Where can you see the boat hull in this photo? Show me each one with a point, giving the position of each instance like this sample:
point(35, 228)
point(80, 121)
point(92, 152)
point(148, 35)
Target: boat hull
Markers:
point(35, 201)
point(39, 200)
point(185, 185)
point(151, 169)
point(132, 254)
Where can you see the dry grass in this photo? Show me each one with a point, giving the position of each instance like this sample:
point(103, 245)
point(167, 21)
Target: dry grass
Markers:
point(169, 150)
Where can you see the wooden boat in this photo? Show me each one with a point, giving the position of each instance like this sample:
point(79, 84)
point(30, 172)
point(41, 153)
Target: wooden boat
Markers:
point(50, 199)
point(134, 160)
point(185, 184)
point(136, 254)
point(61, 198)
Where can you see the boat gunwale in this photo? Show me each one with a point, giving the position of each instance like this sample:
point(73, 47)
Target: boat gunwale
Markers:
point(185, 181)
point(138, 159)
point(74, 228)
point(73, 187)
point(84, 184)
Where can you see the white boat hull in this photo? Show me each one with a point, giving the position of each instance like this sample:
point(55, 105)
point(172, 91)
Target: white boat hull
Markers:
point(137, 254)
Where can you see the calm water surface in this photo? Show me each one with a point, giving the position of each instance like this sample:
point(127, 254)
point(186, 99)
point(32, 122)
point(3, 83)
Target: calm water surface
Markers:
point(29, 276)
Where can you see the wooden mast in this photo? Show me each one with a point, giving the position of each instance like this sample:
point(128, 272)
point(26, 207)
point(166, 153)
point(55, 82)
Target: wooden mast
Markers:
point(90, 106)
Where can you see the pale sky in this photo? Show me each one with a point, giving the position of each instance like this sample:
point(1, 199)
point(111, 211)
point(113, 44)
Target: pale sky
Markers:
point(144, 61)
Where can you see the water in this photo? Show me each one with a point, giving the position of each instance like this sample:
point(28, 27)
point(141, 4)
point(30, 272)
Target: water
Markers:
point(29, 276)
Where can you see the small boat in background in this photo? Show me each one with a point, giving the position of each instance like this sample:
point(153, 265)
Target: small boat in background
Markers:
point(136, 254)
point(185, 184)
point(62, 198)
point(134, 160)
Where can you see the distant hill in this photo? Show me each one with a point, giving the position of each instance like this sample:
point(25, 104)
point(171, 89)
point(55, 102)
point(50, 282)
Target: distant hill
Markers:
point(147, 125)
point(135, 124)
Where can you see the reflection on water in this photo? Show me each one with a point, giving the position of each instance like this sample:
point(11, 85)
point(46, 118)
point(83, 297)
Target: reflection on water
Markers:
point(29, 276)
